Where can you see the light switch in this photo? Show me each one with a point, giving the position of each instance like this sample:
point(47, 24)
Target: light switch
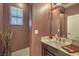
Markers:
point(36, 31)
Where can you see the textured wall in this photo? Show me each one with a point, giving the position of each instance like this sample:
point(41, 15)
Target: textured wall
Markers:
point(21, 35)
point(1, 27)
point(1, 16)
point(40, 21)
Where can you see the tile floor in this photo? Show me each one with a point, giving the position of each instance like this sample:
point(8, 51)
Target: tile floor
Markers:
point(22, 52)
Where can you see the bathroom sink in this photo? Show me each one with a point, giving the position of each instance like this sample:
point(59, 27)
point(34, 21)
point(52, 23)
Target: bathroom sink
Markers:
point(54, 42)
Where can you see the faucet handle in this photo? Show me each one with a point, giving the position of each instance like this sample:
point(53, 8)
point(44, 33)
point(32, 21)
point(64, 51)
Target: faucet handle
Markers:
point(59, 38)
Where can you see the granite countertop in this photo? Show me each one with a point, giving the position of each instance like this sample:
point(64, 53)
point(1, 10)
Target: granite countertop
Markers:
point(57, 44)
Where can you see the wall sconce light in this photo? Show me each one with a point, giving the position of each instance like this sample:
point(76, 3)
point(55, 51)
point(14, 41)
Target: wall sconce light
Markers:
point(53, 6)
point(60, 5)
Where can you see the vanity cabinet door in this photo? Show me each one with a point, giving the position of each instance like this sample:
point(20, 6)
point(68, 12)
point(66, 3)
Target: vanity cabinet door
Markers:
point(47, 53)
point(45, 50)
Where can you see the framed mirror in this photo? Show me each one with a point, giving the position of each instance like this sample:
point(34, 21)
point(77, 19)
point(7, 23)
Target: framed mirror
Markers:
point(73, 27)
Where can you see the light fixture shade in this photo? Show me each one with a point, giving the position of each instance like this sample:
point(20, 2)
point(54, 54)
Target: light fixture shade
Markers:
point(58, 5)
point(62, 10)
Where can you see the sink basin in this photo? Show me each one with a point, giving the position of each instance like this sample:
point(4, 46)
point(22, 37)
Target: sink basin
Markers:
point(53, 42)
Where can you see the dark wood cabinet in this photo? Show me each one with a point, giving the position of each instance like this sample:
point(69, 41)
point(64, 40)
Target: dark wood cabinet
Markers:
point(51, 51)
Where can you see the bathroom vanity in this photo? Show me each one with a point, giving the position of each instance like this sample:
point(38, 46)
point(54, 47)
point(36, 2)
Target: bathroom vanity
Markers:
point(53, 47)
point(48, 50)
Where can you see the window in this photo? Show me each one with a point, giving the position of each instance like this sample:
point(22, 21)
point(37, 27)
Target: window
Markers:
point(16, 17)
